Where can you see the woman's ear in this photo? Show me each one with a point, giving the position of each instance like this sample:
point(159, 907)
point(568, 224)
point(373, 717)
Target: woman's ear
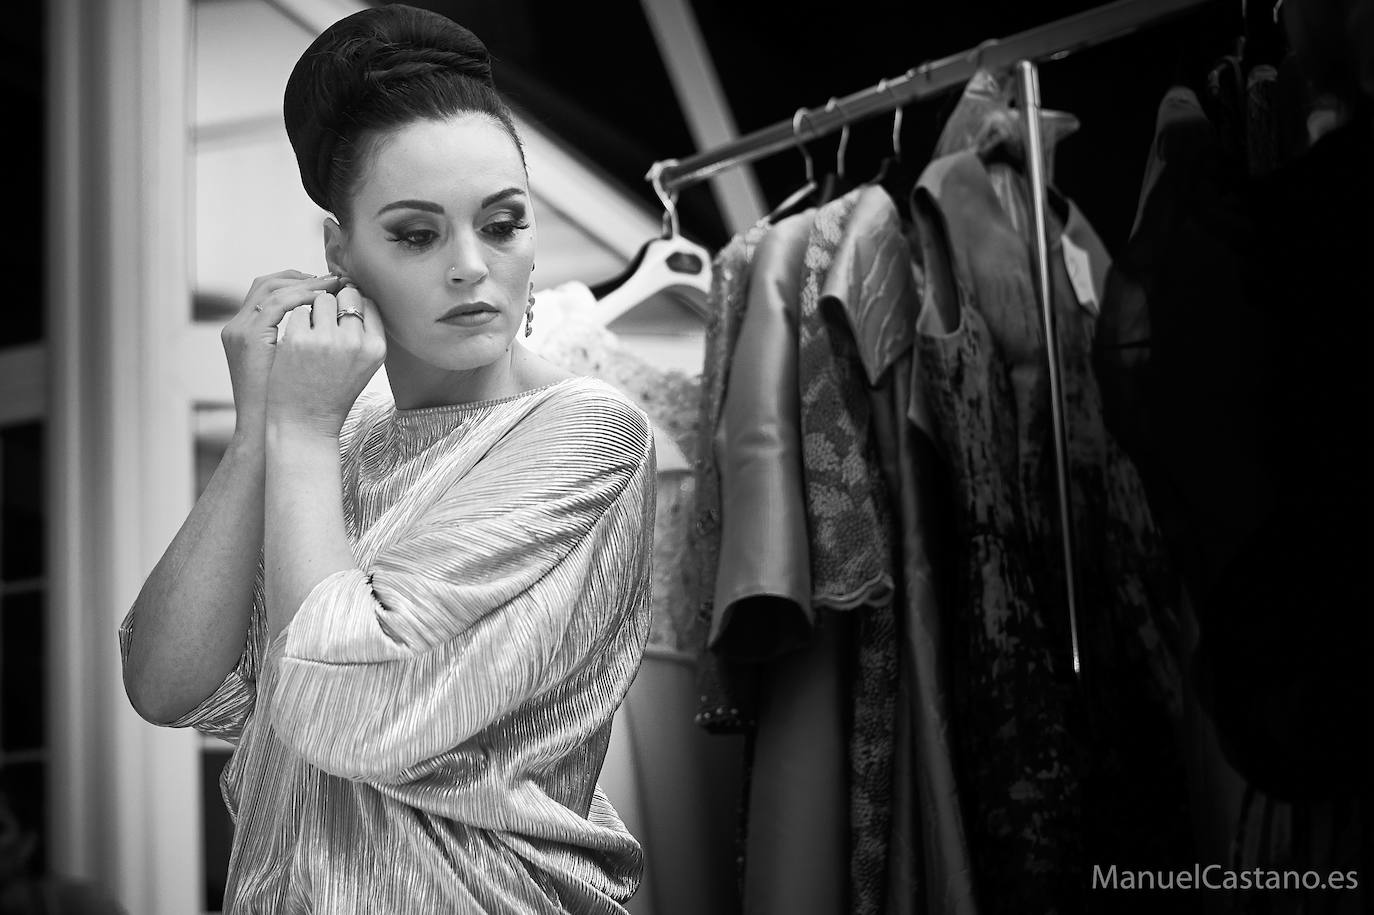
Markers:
point(335, 248)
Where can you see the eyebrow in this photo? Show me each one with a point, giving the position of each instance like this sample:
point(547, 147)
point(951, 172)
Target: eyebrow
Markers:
point(431, 207)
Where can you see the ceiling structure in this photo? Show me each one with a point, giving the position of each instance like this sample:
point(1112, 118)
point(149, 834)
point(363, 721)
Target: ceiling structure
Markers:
point(593, 74)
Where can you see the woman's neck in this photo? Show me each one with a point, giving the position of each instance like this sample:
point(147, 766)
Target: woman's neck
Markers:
point(416, 384)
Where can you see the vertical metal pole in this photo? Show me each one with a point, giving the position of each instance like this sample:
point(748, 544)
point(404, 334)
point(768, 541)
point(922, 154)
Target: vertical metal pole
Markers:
point(1029, 78)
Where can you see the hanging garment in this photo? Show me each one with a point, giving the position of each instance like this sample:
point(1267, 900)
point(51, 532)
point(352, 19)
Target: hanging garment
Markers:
point(851, 534)
point(674, 786)
point(1051, 769)
point(726, 691)
point(797, 807)
point(873, 285)
point(762, 604)
point(1249, 417)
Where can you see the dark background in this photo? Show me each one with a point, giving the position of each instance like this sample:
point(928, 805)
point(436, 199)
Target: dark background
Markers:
point(592, 73)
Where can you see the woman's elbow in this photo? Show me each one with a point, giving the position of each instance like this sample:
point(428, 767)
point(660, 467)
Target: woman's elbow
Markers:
point(151, 694)
point(152, 704)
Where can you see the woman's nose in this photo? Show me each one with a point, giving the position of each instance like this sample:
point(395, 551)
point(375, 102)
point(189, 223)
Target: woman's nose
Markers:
point(468, 266)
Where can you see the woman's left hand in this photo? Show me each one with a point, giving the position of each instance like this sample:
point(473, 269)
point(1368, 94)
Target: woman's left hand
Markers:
point(322, 364)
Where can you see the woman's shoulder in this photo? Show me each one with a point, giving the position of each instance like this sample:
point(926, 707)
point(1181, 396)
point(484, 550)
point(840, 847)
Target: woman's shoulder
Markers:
point(374, 402)
point(585, 409)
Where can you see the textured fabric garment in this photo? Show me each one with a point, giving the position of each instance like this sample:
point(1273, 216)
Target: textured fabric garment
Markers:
point(874, 285)
point(425, 735)
point(797, 803)
point(1050, 770)
point(1247, 411)
point(1262, 119)
point(569, 334)
point(846, 504)
point(726, 692)
point(762, 606)
point(1121, 339)
point(850, 523)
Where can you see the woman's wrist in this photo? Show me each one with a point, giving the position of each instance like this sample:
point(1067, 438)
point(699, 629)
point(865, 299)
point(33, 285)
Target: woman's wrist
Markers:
point(249, 442)
point(284, 426)
point(295, 435)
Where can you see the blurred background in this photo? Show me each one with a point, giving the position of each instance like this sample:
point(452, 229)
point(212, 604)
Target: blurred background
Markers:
point(149, 180)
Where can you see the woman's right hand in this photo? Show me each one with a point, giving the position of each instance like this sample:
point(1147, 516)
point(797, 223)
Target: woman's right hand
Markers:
point(250, 339)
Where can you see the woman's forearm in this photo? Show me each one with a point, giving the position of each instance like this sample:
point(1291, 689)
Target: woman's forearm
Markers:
point(304, 538)
point(191, 617)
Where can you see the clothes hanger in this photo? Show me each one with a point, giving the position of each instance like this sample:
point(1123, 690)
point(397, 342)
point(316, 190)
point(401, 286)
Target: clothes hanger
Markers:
point(894, 175)
point(670, 267)
point(801, 194)
point(836, 184)
point(889, 162)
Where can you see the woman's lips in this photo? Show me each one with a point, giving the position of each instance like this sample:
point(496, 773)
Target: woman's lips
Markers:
point(473, 316)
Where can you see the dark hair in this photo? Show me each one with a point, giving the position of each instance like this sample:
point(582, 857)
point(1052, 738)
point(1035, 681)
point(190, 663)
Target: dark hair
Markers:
point(376, 70)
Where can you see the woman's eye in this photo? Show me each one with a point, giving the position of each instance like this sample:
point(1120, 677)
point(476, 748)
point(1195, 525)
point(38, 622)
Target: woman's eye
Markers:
point(505, 229)
point(416, 238)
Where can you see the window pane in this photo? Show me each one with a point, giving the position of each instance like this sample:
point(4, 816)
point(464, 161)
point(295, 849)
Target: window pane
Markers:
point(22, 166)
point(24, 786)
point(21, 494)
point(219, 829)
point(21, 676)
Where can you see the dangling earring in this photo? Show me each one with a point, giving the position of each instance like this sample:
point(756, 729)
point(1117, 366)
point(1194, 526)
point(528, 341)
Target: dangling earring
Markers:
point(529, 315)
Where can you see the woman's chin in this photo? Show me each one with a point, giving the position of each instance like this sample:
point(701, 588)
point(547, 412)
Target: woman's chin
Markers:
point(474, 351)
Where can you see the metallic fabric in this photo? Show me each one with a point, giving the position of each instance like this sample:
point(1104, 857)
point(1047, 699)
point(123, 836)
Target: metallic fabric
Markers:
point(426, 734)
point(574, 337)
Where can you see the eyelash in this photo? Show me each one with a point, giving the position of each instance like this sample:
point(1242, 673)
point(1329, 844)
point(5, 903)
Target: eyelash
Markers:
point(503, 232)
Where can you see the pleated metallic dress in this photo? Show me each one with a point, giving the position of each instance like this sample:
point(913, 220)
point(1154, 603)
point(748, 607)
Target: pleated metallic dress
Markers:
point(426, 734)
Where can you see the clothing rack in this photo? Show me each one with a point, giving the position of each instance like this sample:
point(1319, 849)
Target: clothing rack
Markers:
point(1047, 42)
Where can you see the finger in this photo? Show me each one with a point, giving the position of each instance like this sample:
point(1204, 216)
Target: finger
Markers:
point(374, 331)
point(324, 312)
point(274, 305)
point(372, 319)
point(265, 284)
point(350, 310)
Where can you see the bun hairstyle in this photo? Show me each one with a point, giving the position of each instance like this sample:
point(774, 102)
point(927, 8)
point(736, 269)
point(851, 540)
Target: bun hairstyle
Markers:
point(377, 70)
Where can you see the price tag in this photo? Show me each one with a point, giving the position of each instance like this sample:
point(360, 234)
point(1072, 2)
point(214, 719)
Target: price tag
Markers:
point(1077, 263)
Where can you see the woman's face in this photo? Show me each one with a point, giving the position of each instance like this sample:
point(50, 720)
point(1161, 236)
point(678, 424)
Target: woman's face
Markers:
point(441, 238)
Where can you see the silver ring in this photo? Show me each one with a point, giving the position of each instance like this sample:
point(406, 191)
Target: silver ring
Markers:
point(349, 313)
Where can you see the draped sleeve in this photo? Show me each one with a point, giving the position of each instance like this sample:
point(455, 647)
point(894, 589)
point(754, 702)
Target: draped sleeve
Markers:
point(224, 711)
point(503, 587)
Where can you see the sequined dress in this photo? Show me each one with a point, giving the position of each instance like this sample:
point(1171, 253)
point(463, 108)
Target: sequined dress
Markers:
point(426, 734)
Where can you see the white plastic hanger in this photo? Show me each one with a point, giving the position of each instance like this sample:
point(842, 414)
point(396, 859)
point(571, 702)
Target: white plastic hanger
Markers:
point(670, 266)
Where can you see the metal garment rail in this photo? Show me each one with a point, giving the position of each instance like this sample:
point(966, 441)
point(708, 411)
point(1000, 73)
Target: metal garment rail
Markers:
point(1047, 42)
point(1028, 78)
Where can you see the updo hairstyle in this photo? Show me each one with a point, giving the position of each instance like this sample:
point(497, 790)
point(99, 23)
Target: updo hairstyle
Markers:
point(374, 71)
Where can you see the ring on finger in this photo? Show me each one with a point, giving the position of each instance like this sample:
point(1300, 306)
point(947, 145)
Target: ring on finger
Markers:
point(349, 313)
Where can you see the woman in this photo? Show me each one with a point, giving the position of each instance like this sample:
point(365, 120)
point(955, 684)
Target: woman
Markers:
point(421, 676)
